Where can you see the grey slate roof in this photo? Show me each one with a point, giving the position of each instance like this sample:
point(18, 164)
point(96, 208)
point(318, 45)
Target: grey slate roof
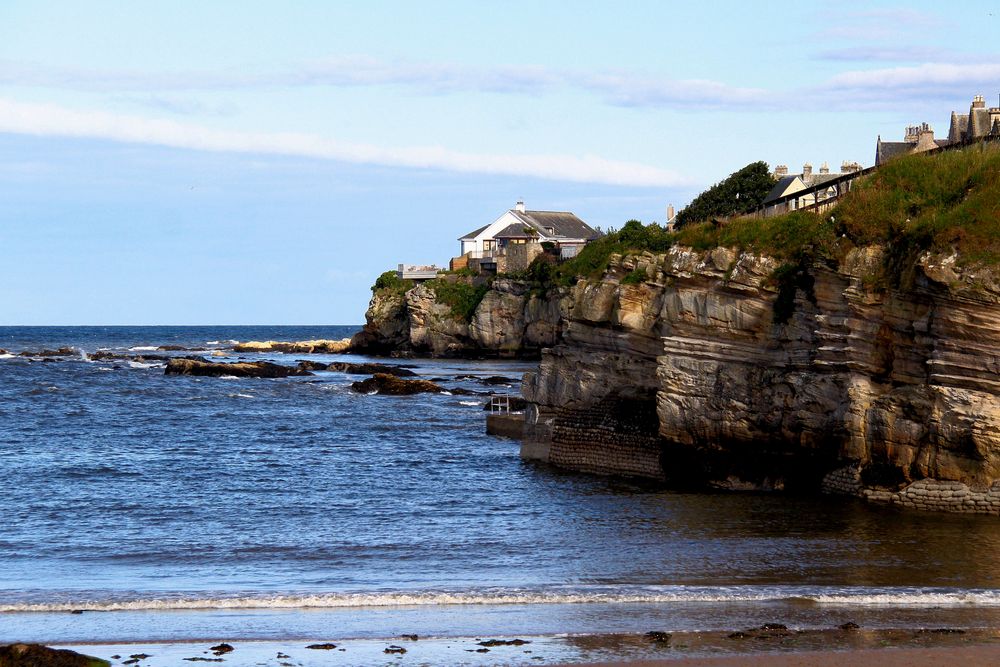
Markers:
point(471, 235)
point(886, 150)
point(563, 224)
point(514, 231)
point(959, 126)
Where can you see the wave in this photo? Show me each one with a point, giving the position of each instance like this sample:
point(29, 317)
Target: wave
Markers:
point(860, 597)
point(143, 348)
point(140, 364)
point(6, 356)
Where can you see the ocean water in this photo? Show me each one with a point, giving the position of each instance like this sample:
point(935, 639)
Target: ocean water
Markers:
point(176, 508)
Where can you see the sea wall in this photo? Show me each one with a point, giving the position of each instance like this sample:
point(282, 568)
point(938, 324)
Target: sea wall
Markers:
point(765, 376)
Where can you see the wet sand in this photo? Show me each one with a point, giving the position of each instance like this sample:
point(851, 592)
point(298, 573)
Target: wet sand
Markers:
point(967, 656)
point(753, 646)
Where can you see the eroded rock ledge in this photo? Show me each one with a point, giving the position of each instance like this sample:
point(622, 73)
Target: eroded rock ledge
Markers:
point(712, 373)
point(512, 321)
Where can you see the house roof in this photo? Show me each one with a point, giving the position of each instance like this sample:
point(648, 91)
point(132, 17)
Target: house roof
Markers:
point(958, 128)
point(886, 150)
point(781, 187)
point(562, 223)
point(473, 234)
point(513, 231)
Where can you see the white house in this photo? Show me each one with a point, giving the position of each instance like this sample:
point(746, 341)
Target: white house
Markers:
point(518, 226)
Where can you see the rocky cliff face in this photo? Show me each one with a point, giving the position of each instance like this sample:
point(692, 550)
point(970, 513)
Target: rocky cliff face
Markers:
point(511, 321)
point(712, 373)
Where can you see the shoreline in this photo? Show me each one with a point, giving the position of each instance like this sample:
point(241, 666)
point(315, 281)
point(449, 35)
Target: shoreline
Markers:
point(752, 646)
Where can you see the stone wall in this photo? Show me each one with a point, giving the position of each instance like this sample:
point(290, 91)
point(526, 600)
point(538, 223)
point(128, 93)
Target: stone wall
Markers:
point(520, 255)
point(924, 494)
point(613, 437)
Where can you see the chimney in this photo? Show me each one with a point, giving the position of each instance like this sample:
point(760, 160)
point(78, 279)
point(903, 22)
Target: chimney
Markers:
point(807, 170)
point(781, 171)
point(670, 212)
point(824, 168)
point(978, 102)
point(519, 207)
point(849, 167)
point(925, 139)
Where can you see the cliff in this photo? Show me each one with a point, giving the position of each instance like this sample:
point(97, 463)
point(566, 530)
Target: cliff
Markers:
point(710, 373)
point(461, 316)
point(857, 352)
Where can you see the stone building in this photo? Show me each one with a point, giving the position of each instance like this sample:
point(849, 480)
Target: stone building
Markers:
point(979, 123)
point(791, 183)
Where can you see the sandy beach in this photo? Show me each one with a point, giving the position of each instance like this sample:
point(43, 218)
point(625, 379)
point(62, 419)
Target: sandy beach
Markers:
point(969, 656)
point(774, 646)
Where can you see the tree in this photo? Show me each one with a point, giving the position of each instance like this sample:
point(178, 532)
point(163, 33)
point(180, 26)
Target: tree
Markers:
point(742, 192)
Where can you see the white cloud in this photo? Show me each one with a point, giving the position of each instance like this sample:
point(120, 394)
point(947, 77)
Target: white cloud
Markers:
point(50, 120)
point(924, 76)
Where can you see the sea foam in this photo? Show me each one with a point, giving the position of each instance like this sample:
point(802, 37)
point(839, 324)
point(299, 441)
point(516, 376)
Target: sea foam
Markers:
point(862, 597)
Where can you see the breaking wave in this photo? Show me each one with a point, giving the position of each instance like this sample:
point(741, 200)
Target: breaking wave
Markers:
point(861, 597)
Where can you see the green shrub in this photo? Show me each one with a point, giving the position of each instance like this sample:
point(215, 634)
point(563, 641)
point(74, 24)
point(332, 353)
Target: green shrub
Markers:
point(635, 277)
point(463, 297)
point(390, 281)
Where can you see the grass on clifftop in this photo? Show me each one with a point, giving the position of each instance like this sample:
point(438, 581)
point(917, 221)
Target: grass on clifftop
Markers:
point(949, 201)
point(943, 202)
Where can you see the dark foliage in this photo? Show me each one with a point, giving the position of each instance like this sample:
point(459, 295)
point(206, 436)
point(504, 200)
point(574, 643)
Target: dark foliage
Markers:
point(742, 192)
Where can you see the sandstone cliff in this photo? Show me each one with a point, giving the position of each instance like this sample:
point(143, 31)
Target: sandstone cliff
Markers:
point(712, 372)
point(510, 320)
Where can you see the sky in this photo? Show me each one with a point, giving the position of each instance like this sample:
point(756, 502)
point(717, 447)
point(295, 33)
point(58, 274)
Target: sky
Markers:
point(262, 163)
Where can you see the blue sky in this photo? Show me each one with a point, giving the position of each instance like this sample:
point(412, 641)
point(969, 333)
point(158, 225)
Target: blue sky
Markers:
point(261, 162)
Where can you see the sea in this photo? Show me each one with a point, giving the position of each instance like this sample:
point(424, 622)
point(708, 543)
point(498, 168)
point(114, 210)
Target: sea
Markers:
point(137, 506)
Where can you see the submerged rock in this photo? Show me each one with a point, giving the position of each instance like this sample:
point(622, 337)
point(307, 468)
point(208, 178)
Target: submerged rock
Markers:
point(244, 369)
point(36, 655)
point(383, 383)
point(61, 352)
point(369, 369)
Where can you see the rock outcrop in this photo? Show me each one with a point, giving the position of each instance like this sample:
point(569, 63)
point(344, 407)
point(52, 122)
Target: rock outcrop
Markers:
point(719, 370)
point(320, 346)
point(390, 385)
point(243, 369)
point(512, 320)
point(36, 655)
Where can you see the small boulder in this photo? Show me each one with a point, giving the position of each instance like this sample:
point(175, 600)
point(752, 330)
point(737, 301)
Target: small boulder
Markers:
point(390, 385)
point(220, 649)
